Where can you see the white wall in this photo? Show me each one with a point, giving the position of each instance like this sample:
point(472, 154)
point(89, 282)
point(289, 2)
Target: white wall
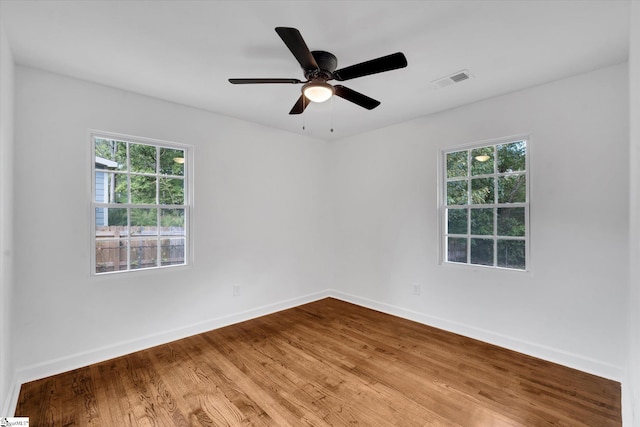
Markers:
point(570, 308)
point(260, 222)
point(631, 388)
point(6, 218)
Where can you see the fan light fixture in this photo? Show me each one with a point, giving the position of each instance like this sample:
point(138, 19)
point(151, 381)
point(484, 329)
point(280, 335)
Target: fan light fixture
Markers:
point(482, 158)
point(317, 91)
point(179, 160)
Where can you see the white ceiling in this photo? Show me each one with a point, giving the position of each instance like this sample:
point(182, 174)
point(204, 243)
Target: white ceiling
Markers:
point(184, 51)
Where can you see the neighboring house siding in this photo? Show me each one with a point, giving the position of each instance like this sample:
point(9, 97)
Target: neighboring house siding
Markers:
point(101, 195)
point(102, 190)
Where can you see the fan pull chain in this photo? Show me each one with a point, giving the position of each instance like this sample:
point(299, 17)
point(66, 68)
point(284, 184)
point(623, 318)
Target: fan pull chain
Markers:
point(331, 114)
point(303, 112)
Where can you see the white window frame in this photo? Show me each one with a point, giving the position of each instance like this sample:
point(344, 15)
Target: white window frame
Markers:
point(442, 204)
point(187, 206)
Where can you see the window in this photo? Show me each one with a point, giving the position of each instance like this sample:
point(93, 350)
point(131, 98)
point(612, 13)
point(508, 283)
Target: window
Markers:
point(485, 207)
point(140, 204)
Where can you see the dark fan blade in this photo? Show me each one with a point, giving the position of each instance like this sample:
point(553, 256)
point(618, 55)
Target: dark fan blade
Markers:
point(294, 41)
point(355, 97)
point(384, 63)
point(253, 81)
point(300, 105)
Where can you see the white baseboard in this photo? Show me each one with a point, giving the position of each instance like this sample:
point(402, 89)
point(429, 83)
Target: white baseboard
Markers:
point(79, 360)
point(627, 404)
point(560, 357)
point(630, 403)
point(9, 405)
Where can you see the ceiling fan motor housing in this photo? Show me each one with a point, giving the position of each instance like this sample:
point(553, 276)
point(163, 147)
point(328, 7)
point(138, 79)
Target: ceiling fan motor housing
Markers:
point(327, 64)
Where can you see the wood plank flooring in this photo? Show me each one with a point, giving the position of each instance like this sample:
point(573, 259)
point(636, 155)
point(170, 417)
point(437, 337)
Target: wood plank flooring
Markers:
point(328, 363)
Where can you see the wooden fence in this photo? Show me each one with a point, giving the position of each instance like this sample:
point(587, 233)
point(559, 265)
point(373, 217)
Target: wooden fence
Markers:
point(116, 250)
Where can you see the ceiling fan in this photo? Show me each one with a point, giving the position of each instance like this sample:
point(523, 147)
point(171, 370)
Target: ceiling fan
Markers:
point(320, 66)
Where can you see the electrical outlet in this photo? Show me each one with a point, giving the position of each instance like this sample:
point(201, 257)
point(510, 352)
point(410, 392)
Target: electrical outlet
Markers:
point(236, 290)
point(417, 289)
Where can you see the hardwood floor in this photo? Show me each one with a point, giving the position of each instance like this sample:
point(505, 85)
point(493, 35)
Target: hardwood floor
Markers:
point(328, 363)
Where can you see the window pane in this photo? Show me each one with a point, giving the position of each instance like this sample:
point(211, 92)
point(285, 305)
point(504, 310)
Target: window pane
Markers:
point(457, 164)
point(144, 253)
point(111, 222)
point(482, 191)
point(111, 255)
point(482, 222)
point(511, 222)
point(171, 191)
point(512, 189)
point(457, 221)
point(111, 188)
point(482, 251)
point(457, 249)
point(171, 162)
point(511, 254)
point(110, 154)
point(457, 192)
point(512, 157)
point(172, 251)
point(142, 158)
point(143, 189)
point(482, 161)
point(144, 222)
point(172, 222)
point(102, 219)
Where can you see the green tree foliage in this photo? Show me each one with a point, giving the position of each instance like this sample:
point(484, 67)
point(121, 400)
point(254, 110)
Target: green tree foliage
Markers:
point(457, 221)
point(511, 222)
point(512, 189)
point(482, 191)
point(144, 218)
point(512, 157)
point(482, 222)
point(457, 192)
point(171, 218)
point(511, 254)
point(482, 251)
point(112, 150)
point(457, 164)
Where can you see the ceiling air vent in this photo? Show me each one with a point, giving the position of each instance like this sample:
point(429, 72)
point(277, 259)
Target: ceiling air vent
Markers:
point(458, 77)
